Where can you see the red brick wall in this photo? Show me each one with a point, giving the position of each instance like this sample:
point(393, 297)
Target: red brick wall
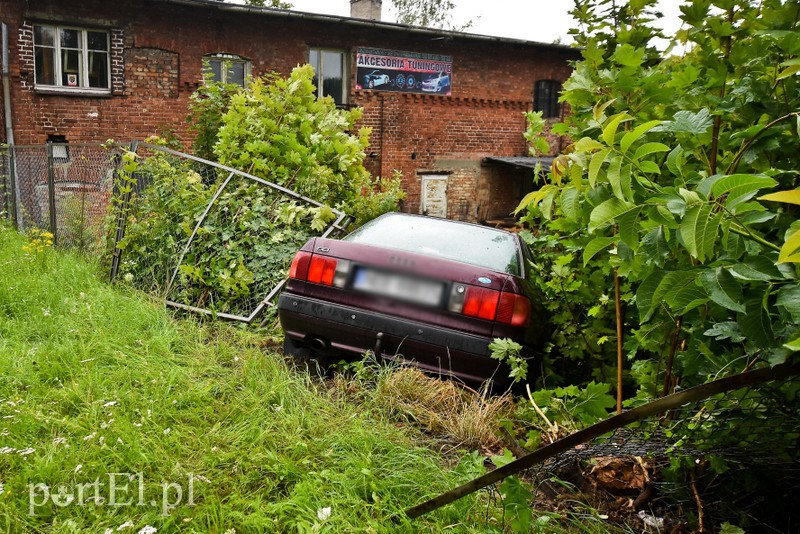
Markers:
point(157, 50)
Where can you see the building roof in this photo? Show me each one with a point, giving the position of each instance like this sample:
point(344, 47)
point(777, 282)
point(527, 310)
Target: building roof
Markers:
point(524, 162)
point(380, 25)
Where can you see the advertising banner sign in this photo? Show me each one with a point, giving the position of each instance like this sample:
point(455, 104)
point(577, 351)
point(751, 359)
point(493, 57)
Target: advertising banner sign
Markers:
point(407, 72)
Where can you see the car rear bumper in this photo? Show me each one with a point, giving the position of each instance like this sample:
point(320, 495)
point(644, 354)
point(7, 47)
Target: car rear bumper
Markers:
point(350, 330)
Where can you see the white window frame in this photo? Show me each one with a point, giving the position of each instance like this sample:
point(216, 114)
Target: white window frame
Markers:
point(228, 58)
point(345, 96)
point(83, 75)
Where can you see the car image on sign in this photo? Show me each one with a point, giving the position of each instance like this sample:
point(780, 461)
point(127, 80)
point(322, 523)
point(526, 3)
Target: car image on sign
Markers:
point(375, 78)
point(435, 292)
point(436, 83)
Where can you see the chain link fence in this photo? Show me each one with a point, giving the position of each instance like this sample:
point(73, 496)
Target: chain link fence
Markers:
point(732, 458)
point(61, 188)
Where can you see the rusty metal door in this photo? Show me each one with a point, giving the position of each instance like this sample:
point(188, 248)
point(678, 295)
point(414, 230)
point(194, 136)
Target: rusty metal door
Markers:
point(434, 195)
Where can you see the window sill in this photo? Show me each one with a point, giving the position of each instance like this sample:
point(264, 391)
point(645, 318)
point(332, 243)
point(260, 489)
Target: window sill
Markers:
point(70, 91)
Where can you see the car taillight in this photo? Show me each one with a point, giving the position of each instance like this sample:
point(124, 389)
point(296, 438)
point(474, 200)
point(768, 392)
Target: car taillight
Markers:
point(513, 309)
point(481, 302)
point(319, 269)
point(503, 307)
point(299, 268)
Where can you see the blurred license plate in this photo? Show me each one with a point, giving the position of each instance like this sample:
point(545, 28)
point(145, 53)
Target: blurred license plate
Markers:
point(399, 286)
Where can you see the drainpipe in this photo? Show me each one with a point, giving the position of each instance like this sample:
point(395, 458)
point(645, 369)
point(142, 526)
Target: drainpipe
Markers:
point(9, 125)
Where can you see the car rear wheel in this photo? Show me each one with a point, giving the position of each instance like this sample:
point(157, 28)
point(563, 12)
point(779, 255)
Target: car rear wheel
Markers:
point(304, 358)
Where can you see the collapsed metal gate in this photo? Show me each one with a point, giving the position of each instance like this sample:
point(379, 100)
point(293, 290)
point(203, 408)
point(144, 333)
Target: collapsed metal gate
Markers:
point(233, 185)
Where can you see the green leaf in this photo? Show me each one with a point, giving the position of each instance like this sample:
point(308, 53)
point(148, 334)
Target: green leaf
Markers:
point(661, 287)
point(634, 135)
point(596, 163)
point(675, 161)
point(610, 129)
point(535, 197)
point(756, 268)
point(791, 245)
point(596, 245)
point(587, 144)
point(726, 330)
point(645, 294)
point(789, 300)
point(629, 227)
point(628, 55)
point(685, 294)
point(756, 324)
point(571, 203)
point(605, 214)
point(649, 148)
point(723, 288)
point(594, 402)
point(789, 197)
point(699, 230)
point(688, 122)
point(740, 187)
point(614, 171)
point(654, 246)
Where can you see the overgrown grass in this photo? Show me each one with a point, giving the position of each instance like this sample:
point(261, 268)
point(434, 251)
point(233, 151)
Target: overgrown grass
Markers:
point(96, 381)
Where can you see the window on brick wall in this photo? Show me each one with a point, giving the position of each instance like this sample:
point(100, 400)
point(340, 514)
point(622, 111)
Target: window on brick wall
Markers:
point(545, 98)
point(71, 59)
point(330, 73)
point(227, 68)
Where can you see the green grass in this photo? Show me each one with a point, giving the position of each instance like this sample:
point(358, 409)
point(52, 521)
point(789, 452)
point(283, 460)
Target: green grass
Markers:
point(97, 380)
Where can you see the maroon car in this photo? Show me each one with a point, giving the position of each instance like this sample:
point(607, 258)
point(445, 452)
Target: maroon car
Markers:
point(432, 291)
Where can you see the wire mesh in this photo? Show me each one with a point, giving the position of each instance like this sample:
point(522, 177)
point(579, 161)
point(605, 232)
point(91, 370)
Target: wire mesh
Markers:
point(62, 188)
point(209, 238)
point(734, 457)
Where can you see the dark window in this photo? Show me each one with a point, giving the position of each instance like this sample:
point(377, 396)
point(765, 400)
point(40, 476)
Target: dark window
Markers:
point(227, 68)
point(71, 58)
point(545, 98)
point(330, 73)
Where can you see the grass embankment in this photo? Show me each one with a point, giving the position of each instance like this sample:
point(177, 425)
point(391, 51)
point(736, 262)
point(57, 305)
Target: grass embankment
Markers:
point(96, 381)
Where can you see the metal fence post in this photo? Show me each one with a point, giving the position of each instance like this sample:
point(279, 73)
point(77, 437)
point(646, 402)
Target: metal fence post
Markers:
point(51, 193)
point(12, 185)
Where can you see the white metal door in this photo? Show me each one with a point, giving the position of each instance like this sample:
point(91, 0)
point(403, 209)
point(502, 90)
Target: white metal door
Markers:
point(434, 195)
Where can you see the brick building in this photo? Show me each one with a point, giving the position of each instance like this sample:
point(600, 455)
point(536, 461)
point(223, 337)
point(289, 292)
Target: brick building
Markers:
point(445, 107)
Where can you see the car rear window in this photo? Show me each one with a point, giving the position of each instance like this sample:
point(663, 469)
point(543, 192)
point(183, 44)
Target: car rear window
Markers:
point(467, 243)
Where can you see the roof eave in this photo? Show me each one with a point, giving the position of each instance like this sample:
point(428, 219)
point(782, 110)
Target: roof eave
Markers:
point(364, 23)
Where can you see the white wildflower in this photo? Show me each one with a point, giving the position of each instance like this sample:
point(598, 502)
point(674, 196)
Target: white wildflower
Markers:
point(167, 431)
point(108, 531)
point(119, 440)
point(87, 360)
point(147, 529)
point(90, 436)
point(59, 441)
point(7, 450)
point(101, 440)
point(230, 531)
point(126, 524)
point(83, 295)
point(137, 425)
point(214, 448)
point(46, 312)
point(324, 513)
point(2, 488)
point(26, 451)
point(78, 467)
point(110, 403)
point(128, 277)
point(174, 401)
